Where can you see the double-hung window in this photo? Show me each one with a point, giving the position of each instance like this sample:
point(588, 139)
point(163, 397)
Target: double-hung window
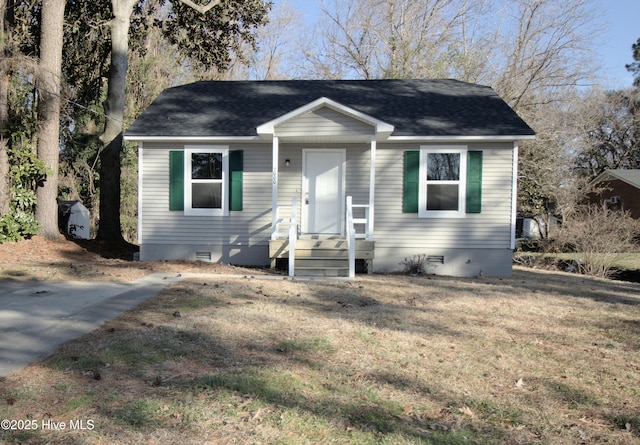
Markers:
point(205, 171)
point(442, 191)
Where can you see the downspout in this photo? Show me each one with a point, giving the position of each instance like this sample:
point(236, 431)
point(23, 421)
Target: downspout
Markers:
point(514, 195)
point(140, 167)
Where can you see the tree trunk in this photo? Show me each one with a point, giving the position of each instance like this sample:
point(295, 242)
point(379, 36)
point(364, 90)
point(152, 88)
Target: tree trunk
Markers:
point(110, 167)
point(5, 184)
point(109, 225)
point(49, 80)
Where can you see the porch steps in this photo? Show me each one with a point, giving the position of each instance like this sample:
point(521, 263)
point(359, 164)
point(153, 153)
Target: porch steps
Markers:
point(321, 258)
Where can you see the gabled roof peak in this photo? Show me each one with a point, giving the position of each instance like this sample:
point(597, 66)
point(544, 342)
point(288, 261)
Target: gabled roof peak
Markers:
point(382, 129)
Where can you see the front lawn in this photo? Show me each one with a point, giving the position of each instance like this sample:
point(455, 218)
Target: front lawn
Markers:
point(542, 357)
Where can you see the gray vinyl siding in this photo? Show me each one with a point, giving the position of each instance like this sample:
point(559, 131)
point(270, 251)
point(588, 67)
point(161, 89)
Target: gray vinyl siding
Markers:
point(323, 122)
point(490, 229)
point(248, 227)
point(239, 230)
point(477, 243)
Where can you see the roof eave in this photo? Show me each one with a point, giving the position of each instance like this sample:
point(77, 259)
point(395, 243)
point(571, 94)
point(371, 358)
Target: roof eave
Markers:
point(454, 138)
point(379, 137)
point(139, 138)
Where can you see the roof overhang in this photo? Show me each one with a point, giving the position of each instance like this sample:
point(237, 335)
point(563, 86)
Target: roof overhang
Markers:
point(425, 139)
point(612, 175)
point(134, 138)
point(382, 130)
point(470, 139)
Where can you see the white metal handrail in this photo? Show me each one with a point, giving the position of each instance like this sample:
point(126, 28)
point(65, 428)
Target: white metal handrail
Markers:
point(277, 219)
point(353, 234)
point(293, 236)
point(351, 238)
point(366, 234)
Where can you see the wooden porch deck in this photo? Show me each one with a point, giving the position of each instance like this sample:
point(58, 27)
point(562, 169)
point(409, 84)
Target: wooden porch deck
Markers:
point(327, 257)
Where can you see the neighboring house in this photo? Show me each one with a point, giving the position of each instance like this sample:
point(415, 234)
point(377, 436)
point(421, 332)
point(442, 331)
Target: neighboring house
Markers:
point(620, 190)
point(430, 166)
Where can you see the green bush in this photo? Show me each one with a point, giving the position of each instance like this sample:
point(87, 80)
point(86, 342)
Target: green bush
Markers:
point(27, 171)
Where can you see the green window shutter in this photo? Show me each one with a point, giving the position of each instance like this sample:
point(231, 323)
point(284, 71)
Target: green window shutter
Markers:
point(474, 182)
point(235, 179)
point(176, 180)
point(411, 182)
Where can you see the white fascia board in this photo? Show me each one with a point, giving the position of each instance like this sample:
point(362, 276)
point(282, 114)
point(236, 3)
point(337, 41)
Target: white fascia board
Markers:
point(383, 129)
point(509, 138)
point(191, 138)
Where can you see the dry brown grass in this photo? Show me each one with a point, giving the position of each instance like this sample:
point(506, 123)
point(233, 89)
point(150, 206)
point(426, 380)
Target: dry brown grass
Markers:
point(538, 358)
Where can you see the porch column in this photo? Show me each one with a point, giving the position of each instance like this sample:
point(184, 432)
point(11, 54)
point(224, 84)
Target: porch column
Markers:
point(274, 186)
point(372, 184)
point(514, 195)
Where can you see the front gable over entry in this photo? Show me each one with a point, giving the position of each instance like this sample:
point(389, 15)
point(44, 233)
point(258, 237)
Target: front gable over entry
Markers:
point(327, 119)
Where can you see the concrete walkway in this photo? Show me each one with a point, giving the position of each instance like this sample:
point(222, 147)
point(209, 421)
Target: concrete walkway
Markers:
point(36, 317)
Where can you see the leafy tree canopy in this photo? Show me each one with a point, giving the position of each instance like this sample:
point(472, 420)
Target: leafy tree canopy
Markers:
point(634, 67)
point(210, 39)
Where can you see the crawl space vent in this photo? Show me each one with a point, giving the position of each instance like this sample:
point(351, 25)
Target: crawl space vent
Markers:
point(435, 259)
point(203, 256)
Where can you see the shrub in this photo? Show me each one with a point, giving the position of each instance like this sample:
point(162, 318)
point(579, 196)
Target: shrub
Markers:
point(26, 171)
point(415, 264)
point(601, 237)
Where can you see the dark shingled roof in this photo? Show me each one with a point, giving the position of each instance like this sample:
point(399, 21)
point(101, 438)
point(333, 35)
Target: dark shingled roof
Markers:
point(414, 107)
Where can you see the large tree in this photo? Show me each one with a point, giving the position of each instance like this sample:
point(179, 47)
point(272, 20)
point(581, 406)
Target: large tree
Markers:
point(382, 38)
point(543, 51)
point(206, 31)
point(607, 132)
point(6, 19)
point(109, 228)
point(49, 81)
point(634, 67)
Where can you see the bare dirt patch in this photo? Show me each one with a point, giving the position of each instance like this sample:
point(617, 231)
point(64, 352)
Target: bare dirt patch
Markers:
point(41, 259)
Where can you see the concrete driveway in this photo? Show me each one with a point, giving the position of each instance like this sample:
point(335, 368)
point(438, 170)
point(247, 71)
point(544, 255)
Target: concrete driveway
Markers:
point(36, 317)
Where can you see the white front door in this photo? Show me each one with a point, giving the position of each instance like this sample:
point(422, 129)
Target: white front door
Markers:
point(323, 191)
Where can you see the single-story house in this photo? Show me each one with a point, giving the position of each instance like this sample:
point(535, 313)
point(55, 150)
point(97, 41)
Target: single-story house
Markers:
point(240, 172)
point(620, 190)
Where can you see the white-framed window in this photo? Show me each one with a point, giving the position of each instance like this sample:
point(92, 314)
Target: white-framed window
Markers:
point(206, 169)
point(443, 176)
